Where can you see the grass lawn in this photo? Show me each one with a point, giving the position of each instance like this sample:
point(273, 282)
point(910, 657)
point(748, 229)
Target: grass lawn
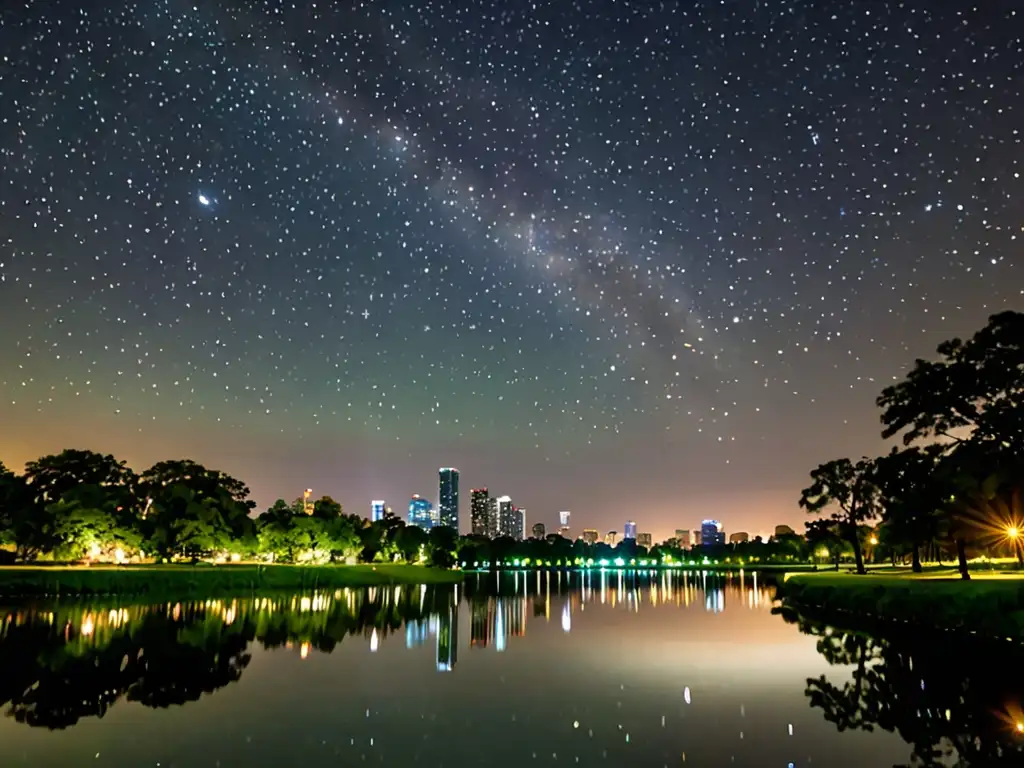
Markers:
point(991, 603)
point(207, 580)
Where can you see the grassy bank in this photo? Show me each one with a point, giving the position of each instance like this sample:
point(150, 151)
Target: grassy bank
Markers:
point(207, 580)
point(989, 604)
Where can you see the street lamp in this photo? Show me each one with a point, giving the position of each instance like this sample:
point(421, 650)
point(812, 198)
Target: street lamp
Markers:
point(1013, 533)
point(873, 540)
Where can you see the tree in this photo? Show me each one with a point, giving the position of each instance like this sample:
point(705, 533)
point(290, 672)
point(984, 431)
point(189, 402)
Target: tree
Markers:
point(273, 531)
point(975, 393)
point(944, 710)
point(200, 480)
point(822, 535)
point(847, 489)
point(327, 508)
point(82, 529)
point(343, 534)
point(312, 541)
point(972, 398)
point(441, 543)
point(409, 540)
point(911, 495)
point(192, 510)
point(12, 498)
point(51, 477)
point(983, 498)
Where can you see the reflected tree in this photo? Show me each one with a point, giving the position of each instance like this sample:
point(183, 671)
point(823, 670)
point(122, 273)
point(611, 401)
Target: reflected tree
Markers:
point(56, 670)
point(198, 655)
point(949, 712)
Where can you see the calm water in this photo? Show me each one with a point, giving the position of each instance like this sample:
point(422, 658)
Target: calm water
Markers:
point(606, 670)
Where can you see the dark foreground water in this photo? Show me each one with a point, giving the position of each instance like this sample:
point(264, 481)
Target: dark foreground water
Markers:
point(609, 669)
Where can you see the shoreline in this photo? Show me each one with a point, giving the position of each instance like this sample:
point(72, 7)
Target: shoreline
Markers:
point(159, 581)
point(991, 606)
point(165, 581)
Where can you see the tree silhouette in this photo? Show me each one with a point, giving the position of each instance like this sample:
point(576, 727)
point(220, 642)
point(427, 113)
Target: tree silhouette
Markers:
point(975, 392)
point(51, 477)
point(54, 673)
point(911, 495)
point(848, 490)
point(943, 708)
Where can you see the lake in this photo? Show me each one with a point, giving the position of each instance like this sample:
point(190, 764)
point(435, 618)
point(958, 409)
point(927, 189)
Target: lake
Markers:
point(603, 668)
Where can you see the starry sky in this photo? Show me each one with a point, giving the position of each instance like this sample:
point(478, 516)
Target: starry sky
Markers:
point(635, 260)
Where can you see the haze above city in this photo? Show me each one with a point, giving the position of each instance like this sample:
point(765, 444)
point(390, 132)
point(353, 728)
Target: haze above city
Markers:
point(648, 264)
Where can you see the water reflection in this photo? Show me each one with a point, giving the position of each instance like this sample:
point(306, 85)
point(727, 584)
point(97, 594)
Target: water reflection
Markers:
point(59, 664)
point(953, 703)
point(603, 667)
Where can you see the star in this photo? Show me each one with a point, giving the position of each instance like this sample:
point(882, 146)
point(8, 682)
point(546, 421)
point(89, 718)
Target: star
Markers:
point(575, 259)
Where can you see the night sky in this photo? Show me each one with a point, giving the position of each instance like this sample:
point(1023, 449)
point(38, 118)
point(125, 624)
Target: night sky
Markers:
point(635, 260)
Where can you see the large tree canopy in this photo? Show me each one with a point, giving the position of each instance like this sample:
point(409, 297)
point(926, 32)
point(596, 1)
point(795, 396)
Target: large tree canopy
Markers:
point(51, 477)
point(197, 478)
point(192, 510)
point(974, 392)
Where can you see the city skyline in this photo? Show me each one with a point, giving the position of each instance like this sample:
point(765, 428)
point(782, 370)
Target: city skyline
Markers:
point(655, 261)
point(479, 500)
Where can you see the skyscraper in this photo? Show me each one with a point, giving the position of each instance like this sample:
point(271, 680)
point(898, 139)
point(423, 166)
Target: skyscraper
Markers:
point(711, 533)
point(519, 523)
point(563, 523)
point(448, 498)
point(682, 538)
point(421, 512)
point(377, 510)
point(507, 518)
point(609, 538)
point(629, 532)
point(538, 530)
point(590, 535)
point(644, 540)
point(479, 512)
point(493, 519)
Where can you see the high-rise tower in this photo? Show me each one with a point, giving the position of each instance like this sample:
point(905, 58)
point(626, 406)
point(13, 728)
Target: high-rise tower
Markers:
point(480, 512)
point(711, 533)
point(420, 512)
point(448, 497)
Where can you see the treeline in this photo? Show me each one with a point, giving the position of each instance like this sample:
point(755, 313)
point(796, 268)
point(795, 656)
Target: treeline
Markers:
point(82, 505)
point(556, 550)
point(952, 486)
